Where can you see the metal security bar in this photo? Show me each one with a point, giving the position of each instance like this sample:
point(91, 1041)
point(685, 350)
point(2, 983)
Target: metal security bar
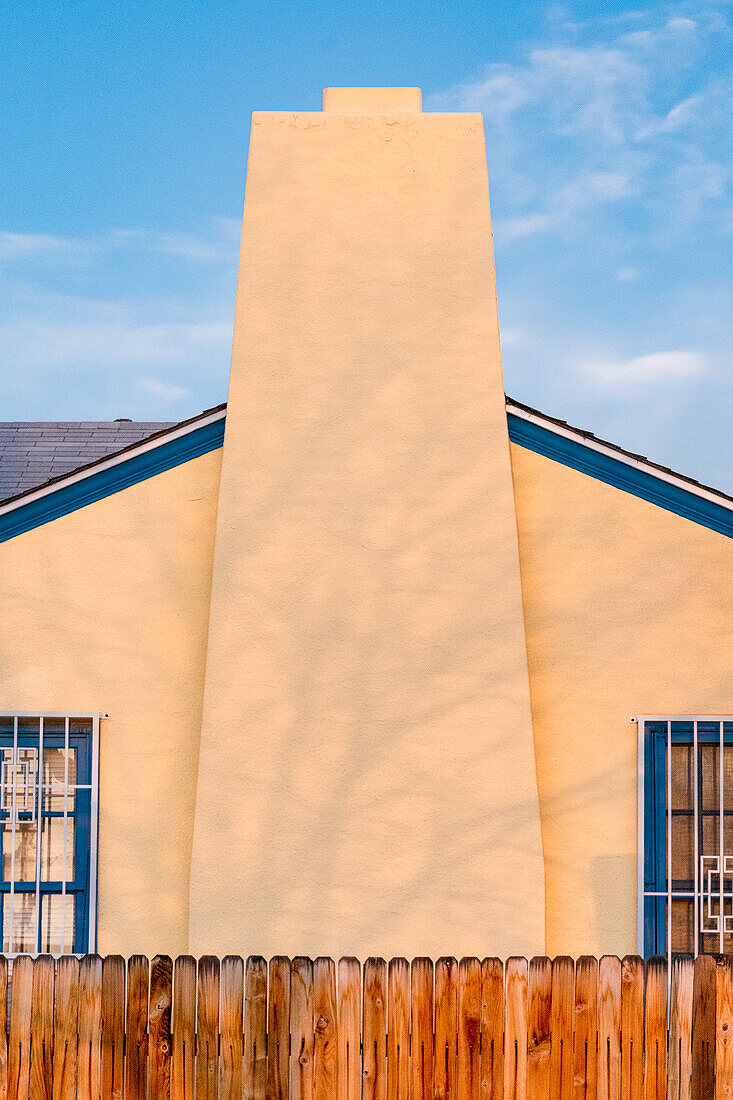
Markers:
point(49, 799)
point(685, 834)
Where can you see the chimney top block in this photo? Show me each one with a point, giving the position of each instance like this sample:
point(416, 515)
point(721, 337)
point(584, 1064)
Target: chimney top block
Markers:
point(372, 101)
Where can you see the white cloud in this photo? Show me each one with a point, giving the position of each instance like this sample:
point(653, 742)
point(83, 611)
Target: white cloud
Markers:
point(627, 274)
point(18, 246)
point(643, 370)
point(165, 392)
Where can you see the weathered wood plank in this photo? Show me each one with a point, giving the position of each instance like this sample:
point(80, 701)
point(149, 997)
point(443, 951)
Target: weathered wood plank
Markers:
point(585, 1043)
point(679, 1068)
point(724, 1028)
point(374, 1086)
point(66, 1028)
point(207, 1028)
point(301, 1029)
point(88, 1076)
point(349, 1029)
point(446, 1029)
point(136, 1040)
point(468, 1074)
point(159, 1028)
point(231, 1027)
point(703, 1028)
point(278, 1039)
point(515, 1039)
point(492, 1029)
point(325, 1042)
point(632, 1027)
point(421, 1023)
point(655, 1030)
point(19, 1038)
point(44, 973)
point(561, 1028)
point(539, 1006)
point(398, 1030)
point(113, 1028)
point(609, 1028)
point(255, 1028)
point(183, 1045)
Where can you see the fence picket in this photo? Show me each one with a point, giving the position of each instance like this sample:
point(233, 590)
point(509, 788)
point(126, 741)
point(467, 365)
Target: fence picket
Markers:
point(539, 1004)
point(113, 1027)
point(468, 1073)
point(88, 1075)
point(421, 1025)
point(561, 1028)
point(375, 1030)
point(159, 1028)
point(255, 1028)
point(492, 1029)
point(301, 1029)
point(632, 1027)
point(41, 1079)
point(655, 1030)
point(349, 1029)
point(325, 1042)
point(3, 1028)
point(679, 1061)
point(398, 1030)
point(609, 1028)
point(585, 1043)
point(19, 1038)
point(183, 1046)
point(136, 1044)
point(724, 1028)
point(207, 1029)
point(446, 1029)
point(703, 1028)
point(231, 1027)
point(278, 1042)
point(66, 1028)
point(515, 1030)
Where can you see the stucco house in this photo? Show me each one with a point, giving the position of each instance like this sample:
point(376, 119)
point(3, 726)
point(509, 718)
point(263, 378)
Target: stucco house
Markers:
point(371, 660)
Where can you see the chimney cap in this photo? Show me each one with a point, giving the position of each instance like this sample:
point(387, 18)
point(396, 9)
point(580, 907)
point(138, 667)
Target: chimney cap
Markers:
point(372, 101)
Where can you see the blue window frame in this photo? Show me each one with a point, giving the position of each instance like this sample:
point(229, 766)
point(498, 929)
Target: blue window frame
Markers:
point(48, 832)
point(686, 781)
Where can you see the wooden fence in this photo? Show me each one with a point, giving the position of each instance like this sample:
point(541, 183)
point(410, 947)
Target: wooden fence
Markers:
point(316, 1030)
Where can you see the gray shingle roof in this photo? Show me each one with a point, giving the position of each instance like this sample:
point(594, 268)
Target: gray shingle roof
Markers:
point(31, 453)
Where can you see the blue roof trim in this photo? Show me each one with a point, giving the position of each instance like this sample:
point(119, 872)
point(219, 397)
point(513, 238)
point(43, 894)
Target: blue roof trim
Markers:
point(630, 479)
point(96, 486)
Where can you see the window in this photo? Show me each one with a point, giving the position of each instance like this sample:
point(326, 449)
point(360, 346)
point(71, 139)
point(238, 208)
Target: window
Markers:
point(48, 832)
point(686, 790)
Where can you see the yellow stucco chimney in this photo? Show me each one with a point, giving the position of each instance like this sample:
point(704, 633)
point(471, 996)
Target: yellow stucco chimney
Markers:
point(366, 779)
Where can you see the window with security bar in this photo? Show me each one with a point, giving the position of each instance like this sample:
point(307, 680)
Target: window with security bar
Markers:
point(686, 850)
point(48, 832)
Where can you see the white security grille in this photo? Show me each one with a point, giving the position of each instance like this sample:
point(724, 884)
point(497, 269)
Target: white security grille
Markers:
point(49, 764)
point(686, 833)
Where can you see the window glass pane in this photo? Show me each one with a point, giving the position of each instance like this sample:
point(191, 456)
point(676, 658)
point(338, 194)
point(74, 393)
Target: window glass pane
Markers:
point(52, 849)
point(682, 777)
point(18, 780)
point(683, 851)
point(683, 927)
point(25, 851)
point(57, 923)
point(24, 922)
point(54, 772)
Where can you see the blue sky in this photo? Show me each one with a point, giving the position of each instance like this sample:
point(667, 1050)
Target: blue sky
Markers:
point(124, 130)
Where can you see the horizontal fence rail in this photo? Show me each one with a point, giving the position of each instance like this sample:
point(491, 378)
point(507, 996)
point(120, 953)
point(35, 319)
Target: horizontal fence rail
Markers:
point(302, 1029)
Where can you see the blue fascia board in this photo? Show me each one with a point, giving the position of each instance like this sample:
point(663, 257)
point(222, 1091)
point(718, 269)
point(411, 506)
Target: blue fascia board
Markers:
point(630, 479)
point(525, 433)
point(96, 486)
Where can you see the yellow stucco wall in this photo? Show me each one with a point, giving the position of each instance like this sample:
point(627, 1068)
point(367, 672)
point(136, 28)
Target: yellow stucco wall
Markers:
point(628, 610)
point(107, 609)
point(366, 781)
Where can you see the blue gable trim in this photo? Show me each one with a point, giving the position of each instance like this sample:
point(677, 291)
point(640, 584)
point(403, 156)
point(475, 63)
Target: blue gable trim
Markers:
point(630, 479)
point(126, 472)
